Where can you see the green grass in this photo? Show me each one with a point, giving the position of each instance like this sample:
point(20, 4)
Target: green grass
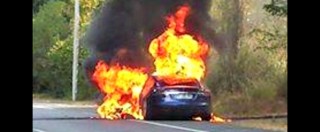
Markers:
point(244, 105)
point(280, 125)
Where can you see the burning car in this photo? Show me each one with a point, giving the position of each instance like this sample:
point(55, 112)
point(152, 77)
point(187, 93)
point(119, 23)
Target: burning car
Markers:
point(170, 89)
point(164, 98)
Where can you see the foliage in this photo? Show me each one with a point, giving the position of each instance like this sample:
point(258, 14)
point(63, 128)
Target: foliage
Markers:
point(228, 15)
point(253, 80)
point(36, 5)
point(53, 48)
point(44, 37)
point(277, 7)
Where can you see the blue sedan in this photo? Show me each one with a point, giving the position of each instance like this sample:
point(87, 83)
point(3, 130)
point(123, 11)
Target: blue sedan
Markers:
point(162, 99)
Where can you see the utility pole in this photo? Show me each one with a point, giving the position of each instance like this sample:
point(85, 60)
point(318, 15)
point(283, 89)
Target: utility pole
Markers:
point(75, 50)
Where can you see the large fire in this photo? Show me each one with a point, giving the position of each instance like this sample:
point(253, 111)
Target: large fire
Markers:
point(216, 119)
point(177, 54)
point(122, 86)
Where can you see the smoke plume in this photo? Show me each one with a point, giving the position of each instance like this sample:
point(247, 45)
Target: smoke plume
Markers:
point(124, 28)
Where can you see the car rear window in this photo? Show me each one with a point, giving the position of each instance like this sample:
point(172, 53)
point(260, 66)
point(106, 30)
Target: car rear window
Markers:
point(173, 82)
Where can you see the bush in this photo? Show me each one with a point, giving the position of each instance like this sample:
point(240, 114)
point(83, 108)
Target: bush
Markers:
point(248, 83)
point(53, 54)
point(49, 26)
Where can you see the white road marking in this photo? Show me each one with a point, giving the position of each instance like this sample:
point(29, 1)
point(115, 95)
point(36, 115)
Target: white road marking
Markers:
point(38, 130)
point(56, 105)
point(42, 107)
point(169, 126)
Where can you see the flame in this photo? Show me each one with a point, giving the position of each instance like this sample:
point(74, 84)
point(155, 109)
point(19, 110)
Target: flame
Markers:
point(122, 86)
point(216, 119)
point(176, 53)
point(178, 58)
point(197, 118)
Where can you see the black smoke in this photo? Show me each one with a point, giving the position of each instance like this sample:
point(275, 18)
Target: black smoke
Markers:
point(124, 28)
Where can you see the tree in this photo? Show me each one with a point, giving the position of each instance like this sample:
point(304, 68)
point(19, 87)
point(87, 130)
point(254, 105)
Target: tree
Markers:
point(52, 46)
point(36, 4)
point(277, 7)
point(49, 26)
point(229, 15)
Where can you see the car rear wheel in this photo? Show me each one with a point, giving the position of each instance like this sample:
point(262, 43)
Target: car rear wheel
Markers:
point(206, 116)
point(146, 111)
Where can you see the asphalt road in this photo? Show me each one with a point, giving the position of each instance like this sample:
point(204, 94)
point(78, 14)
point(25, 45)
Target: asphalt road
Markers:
point(66, 118)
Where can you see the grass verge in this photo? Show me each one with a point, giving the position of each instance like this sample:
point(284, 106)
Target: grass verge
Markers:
point(279, 125)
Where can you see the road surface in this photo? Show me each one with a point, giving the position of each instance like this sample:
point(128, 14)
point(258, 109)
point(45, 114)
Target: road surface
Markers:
point(48, 117)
